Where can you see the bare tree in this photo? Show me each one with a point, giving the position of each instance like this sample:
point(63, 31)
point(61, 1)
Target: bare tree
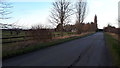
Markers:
point(61, 13)
point(4, 9)
point(80, 7)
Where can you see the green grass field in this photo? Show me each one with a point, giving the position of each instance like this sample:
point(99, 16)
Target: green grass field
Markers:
point(114, 46)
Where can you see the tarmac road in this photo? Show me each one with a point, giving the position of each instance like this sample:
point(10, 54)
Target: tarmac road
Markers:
point(87, 51)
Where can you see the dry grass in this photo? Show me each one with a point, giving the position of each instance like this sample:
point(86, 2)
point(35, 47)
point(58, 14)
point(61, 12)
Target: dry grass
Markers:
point(17, 45)
point(82, 34)
point(115, 36)
point(23, 44)
point(11, 48)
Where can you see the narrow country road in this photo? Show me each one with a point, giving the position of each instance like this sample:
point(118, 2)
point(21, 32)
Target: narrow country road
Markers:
point(87, 51)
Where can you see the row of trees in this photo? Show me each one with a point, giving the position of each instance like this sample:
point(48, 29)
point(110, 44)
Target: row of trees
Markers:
point(88, 27)
point(112, 29)
point(62, 10)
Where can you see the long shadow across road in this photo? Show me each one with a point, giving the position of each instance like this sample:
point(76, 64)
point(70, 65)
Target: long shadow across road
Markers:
point(87, 51)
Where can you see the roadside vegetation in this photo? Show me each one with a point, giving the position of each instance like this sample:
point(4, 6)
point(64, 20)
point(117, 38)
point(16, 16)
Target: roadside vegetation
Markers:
point(18, 48)
point(113, 43)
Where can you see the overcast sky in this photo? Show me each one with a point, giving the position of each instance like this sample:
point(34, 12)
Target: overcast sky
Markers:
point(31, 12)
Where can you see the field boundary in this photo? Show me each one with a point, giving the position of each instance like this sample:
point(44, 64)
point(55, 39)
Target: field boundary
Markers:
point(41, 46)
point(10, 39)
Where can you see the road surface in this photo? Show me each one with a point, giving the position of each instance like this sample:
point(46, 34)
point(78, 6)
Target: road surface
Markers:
point(87, 51)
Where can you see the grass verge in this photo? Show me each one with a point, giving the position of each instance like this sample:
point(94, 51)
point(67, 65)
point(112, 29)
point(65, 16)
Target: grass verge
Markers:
point(114, 47)
point(38, 46)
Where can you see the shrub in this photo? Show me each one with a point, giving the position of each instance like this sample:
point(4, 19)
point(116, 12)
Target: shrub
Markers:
point(38, 33)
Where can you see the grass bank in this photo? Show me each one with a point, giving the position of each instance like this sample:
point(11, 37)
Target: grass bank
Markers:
point(114, 47)
point(33, 47)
